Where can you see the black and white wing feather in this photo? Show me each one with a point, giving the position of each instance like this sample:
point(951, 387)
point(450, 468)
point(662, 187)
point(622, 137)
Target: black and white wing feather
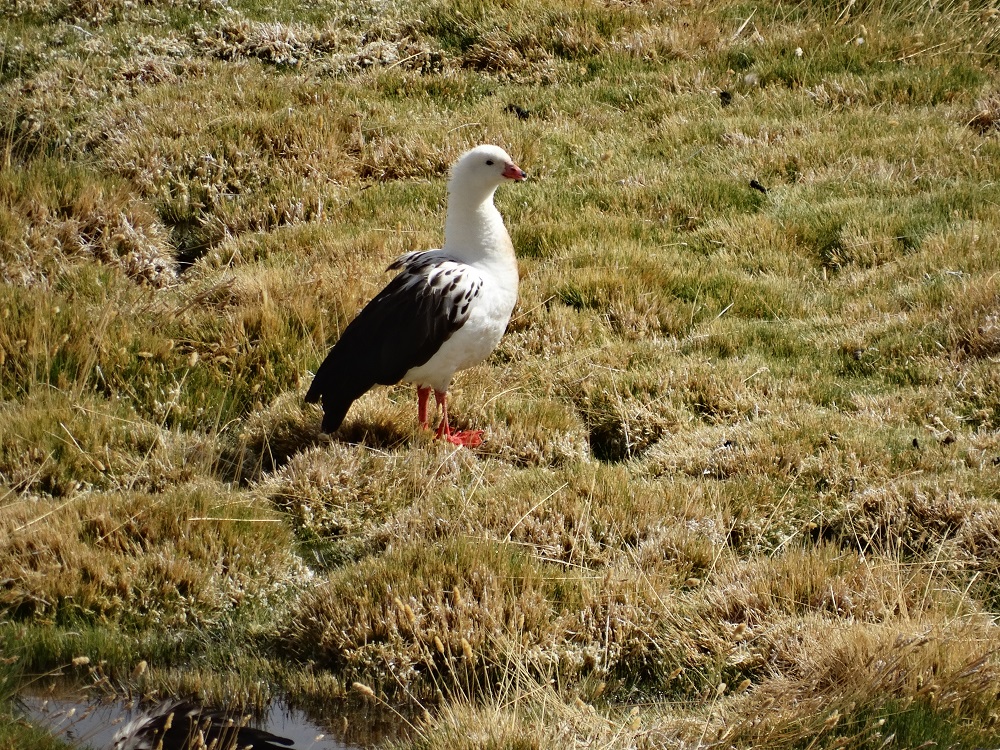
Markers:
point(401, 328)
point(182, 725)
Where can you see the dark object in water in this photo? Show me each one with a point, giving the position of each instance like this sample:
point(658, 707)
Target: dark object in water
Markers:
point(184, 725)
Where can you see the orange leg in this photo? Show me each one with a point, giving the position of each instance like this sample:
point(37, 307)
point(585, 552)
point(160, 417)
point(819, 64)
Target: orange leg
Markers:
point(468, 438)
point(423, 392)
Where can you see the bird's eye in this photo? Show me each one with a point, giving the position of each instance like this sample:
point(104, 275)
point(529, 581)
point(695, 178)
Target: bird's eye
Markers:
point(489, 162)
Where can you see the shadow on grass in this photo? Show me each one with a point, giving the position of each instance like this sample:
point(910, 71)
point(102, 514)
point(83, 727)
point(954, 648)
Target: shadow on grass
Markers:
point(262, 449)
point(375, 433)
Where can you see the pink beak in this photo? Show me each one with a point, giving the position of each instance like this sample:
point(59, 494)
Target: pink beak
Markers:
point(514, 172)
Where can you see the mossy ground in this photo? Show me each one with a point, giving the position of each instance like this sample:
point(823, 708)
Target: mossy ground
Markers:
point(740, 480)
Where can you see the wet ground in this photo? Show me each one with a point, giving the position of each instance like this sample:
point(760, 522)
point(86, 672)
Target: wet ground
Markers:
point(93, 724)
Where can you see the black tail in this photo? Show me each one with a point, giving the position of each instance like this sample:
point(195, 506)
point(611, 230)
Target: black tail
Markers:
point(335, 404)
point(402, 327)
point(337, 389)
point(334, 412)
point(313, 394)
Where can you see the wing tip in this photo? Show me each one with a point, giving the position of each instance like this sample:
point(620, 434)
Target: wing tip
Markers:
point(313, 394)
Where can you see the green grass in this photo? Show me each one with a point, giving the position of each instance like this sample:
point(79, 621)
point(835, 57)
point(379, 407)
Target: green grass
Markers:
point(740, 480)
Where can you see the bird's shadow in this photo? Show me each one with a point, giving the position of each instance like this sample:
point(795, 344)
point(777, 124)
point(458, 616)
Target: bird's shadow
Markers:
point(375, 433)
point(267, 446)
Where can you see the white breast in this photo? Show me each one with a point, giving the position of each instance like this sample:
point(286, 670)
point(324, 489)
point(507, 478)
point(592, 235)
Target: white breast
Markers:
point(473, 342)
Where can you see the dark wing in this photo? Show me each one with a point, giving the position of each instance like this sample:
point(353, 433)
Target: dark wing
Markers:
point(401, 328)
point(180, 725)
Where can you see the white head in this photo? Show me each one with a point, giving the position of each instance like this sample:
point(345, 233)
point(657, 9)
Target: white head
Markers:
point(479, 172)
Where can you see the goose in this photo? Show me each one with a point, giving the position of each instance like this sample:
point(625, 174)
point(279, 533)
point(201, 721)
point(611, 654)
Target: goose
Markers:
point(444, 311)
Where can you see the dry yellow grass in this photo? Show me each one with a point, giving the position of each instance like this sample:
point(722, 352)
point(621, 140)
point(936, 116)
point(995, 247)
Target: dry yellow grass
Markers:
point(742, 451)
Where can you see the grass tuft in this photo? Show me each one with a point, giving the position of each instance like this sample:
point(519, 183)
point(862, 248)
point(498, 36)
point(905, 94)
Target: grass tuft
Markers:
point(739, 471)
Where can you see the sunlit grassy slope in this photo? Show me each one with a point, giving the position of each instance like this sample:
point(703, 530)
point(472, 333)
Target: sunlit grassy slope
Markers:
point(740, 481)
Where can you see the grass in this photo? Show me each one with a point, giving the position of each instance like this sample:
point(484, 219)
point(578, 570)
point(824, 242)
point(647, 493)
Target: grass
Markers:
point(742, 464)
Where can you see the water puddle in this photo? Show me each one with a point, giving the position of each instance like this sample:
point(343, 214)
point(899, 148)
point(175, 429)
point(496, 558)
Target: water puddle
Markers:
point(94, 724)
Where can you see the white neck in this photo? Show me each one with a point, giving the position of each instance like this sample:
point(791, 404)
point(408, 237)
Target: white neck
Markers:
point(474, 233)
